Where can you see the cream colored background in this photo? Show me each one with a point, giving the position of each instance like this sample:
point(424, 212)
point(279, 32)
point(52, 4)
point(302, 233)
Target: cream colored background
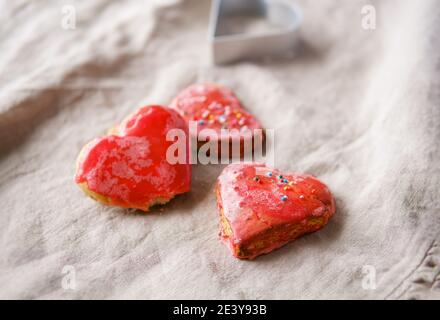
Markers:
point(359, 109)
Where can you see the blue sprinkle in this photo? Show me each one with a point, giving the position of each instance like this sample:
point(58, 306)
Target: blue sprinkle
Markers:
point(202, 122)
point(284, 198)
point(269, 174)
point(285, 181)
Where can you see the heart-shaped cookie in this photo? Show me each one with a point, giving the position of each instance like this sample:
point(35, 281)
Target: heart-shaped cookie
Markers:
point(216, 107)
point(262, 209)
point(129, 167)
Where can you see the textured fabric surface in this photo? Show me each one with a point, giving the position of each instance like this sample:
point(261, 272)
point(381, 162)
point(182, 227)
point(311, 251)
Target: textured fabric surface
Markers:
point(357, 108)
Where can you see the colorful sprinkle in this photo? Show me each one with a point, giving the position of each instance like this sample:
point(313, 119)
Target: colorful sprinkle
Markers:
point(301, 196)
point(256, 179)
point(201, 122)
point(286, 188)
point(205, 114)
point(280, 177)
point(284, 198)
point(221, 119)
point(269, 174)
point(285, 181)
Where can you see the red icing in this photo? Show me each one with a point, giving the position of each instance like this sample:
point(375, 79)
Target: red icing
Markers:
point(131, 168)
point(214, 107)
point(252, 201)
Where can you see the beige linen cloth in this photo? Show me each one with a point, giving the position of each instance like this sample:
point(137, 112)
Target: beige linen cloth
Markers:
point(358, 108)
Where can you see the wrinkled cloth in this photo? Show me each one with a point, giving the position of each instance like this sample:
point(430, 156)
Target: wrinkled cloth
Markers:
point(357, 108)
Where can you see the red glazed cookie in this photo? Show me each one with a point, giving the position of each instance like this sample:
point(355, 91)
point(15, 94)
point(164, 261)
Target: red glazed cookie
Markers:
point(262, 209)
point(129, 167)
point(215, 107)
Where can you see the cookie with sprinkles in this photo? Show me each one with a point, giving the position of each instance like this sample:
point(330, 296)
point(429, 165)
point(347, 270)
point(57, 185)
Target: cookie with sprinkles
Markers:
point(262, 209)
point(216, 107)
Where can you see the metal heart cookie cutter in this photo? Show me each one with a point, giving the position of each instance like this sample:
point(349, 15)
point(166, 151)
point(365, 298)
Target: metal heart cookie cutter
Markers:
point(252, 28)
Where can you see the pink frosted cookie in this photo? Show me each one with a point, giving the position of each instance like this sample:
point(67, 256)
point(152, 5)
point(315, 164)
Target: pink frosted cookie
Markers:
point(262, 209)
point(216, 107)
point(129, 168)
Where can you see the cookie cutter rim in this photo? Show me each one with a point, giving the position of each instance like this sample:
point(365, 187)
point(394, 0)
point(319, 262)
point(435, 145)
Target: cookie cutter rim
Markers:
point(231, 47)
